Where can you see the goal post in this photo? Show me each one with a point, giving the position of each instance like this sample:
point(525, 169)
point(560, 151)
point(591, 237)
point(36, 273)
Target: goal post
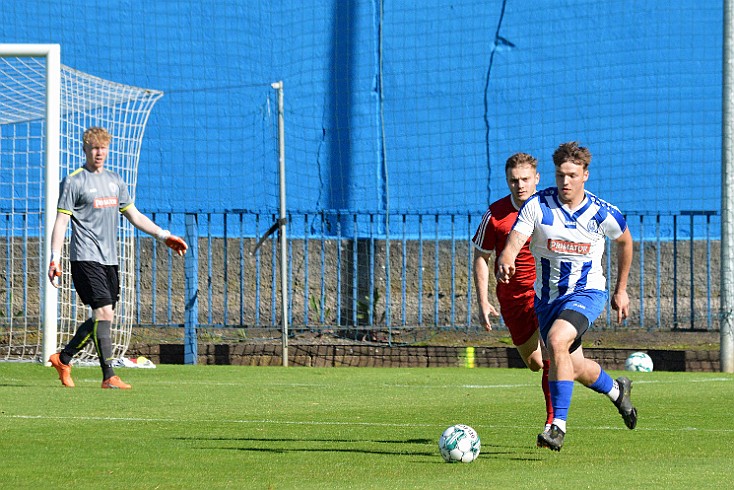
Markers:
point(44, 109)
point(726, 332)
point(51, 54)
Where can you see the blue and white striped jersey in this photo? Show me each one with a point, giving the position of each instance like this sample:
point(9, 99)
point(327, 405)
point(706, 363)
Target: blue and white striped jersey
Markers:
point(568, 244)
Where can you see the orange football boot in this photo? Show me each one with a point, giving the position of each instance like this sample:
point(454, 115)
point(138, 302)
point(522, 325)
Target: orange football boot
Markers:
point(64, 370)
point(115, 383)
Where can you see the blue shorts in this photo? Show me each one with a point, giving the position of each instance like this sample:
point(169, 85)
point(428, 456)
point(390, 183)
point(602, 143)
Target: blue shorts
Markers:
point(590, 303)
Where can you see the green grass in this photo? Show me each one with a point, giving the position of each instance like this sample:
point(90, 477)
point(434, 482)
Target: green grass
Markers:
point(307, 428)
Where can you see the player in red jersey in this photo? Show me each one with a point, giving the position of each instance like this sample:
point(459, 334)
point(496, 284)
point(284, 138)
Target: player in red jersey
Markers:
point(516, 298)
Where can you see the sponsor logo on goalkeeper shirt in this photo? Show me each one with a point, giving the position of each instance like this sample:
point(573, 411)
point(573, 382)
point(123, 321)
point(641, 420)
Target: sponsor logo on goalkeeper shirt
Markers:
point(561, 246)
point(105, 202)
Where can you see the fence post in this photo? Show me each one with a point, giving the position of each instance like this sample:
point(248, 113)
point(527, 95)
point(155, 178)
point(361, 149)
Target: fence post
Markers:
point(726, 344)
point(191, 271)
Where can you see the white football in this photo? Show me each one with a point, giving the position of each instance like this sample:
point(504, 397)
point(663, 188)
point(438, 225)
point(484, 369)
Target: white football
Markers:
point(459, 443)
point(638, 361)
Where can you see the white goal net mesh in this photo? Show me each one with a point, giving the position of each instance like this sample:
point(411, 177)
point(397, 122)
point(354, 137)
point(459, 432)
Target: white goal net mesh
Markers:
point(85, 101)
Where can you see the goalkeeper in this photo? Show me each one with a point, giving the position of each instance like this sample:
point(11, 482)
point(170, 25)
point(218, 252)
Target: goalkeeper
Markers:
point(91, 198)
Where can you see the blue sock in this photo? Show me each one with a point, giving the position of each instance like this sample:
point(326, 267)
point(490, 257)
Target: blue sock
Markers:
point(603, 383)
point(561, 392)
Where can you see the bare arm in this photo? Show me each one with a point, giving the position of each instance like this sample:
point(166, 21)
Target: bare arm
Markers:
point(620, 299)
point(141, 221)
point(59, 232)
point(506, 260)
point(146, 225)
point(57, 242)
point(481, 284)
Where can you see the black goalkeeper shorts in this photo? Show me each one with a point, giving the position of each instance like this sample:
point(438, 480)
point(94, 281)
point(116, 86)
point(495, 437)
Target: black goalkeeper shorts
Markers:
point(96, 284)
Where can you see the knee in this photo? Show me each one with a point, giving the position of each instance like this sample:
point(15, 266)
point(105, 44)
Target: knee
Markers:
point(104, 314)
point(557, 345)
point(535, 361)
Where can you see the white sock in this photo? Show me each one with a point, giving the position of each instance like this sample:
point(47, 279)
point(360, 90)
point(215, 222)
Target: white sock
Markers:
point(561, 424)
point(614, 392)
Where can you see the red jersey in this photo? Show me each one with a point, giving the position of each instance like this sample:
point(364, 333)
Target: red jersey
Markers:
point(492, 234)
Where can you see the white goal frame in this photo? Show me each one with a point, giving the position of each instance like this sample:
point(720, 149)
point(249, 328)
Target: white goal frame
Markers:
point(52, 55)
point(73, 100)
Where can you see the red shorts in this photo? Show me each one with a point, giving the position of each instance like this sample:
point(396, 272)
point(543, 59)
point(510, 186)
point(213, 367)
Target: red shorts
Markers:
point(518, 312)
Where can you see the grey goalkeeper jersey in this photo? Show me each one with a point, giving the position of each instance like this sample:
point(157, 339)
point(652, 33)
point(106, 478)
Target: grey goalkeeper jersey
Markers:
point(94, 201)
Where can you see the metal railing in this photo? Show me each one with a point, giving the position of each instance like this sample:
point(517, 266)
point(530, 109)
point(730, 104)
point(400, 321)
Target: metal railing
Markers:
point(347, 274)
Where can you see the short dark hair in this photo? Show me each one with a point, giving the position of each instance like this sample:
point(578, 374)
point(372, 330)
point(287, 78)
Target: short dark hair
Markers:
point(572, 152)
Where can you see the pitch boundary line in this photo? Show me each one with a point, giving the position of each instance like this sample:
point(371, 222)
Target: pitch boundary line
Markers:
point(334, 423)
point(637, 381)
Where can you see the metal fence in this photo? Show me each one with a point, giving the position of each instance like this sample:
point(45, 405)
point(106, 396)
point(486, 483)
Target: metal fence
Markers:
point(347, 275)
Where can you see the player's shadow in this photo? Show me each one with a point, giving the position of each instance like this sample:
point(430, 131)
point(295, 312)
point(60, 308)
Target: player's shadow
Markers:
point(332, 445)
point(328, 445)
point(292, 439)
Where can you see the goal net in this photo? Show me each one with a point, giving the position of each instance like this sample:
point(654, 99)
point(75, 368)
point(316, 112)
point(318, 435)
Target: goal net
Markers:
point(32, 324)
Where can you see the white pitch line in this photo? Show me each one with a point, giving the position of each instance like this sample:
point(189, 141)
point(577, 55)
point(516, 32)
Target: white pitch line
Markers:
point(437, 387)
point(207, 421)
point(151, 382)
point(532, 383)
point(675, 381)
point(525, 385)
point(471, 387)
point(359, 424)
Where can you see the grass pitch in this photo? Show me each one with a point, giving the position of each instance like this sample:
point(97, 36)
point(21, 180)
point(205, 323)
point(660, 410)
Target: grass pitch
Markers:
point(216, 427)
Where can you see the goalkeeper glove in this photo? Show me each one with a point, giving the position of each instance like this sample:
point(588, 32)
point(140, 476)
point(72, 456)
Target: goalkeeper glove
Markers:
point(54, 269)
point(173, 242)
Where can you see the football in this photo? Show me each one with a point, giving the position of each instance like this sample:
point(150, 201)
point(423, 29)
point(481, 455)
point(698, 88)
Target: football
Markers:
point(459, 443)
point(638, 361)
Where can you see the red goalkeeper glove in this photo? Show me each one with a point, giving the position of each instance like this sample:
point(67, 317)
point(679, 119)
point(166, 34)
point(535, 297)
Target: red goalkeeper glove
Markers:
point(54, 270)
point(173, 242)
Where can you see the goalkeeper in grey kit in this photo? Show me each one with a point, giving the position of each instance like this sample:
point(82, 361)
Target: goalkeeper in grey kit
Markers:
point(91, 198)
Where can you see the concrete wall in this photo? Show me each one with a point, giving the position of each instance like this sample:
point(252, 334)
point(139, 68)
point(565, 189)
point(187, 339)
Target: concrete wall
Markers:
point(250, 354)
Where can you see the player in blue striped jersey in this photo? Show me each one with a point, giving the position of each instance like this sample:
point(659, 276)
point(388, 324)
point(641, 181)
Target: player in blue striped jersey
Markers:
point(568, 227)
